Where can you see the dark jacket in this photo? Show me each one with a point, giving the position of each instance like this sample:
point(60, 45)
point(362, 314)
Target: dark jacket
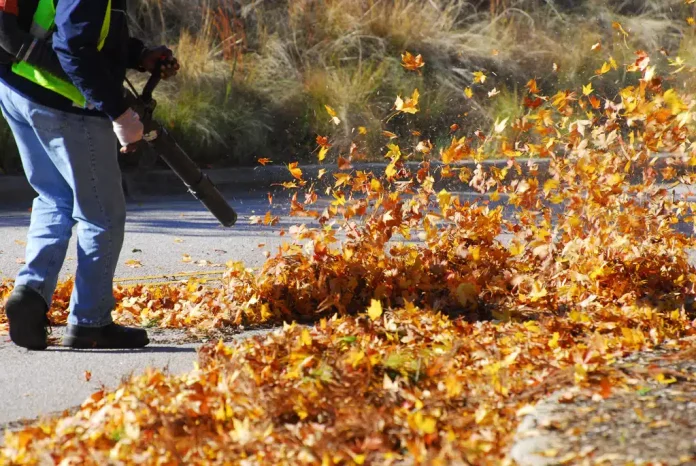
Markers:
point(98, 74)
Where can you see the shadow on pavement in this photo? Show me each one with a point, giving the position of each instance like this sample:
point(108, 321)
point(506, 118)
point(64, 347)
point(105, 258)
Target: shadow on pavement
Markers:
point(147, 349)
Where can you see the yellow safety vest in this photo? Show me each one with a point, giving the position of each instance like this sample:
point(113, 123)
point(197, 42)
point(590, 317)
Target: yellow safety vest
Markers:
point(43, 27)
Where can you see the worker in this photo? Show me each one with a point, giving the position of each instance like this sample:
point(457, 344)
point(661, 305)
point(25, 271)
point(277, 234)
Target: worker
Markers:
point(67, 110)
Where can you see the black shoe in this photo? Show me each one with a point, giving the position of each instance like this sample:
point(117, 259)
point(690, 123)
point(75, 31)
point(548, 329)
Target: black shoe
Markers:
point(112, 336)
point(27, 313)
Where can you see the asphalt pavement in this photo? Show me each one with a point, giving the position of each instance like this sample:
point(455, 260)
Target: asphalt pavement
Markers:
point(169, 238)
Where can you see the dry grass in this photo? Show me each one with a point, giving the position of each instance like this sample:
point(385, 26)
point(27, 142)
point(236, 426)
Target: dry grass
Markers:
point(258, 73)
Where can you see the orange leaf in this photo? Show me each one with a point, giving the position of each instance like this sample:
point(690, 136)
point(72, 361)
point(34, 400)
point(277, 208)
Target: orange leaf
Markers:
point(295, 171)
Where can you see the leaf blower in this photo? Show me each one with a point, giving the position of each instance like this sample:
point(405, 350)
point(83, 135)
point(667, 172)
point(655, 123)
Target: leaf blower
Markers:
point(164, 145)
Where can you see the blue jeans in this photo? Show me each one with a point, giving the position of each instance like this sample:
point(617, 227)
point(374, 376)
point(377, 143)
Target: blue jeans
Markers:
point(71, 161)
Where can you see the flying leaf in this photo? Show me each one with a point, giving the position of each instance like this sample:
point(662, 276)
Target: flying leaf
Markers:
point(295, 171)
point(333, 115)
point(468, 93)
point(532, 86)
point(412, 63)
point(344, 164)
point(479, 77)
point(501, 125)
point(410, 105)
point(264, 161)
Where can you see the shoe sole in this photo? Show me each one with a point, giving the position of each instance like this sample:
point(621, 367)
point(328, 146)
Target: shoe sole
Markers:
point(83, 343)
point(26, 330)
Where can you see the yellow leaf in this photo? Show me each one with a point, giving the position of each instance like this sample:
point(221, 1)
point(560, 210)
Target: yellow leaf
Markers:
point(375, 309)
point(479, 77)
point(468, 93)
point(410, 105)
point(425, 425)
point(134, 264)
point(306, 338)
point(550, 185)
point(362, 130)
point(606, 67)
point(322, 154)
point(587, 90)
point(553, 342)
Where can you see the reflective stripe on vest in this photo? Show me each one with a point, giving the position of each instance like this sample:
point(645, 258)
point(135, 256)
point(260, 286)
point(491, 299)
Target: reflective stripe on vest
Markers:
point(43, 27)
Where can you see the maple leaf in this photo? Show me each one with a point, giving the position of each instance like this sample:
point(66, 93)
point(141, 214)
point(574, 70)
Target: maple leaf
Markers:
point(295, 171)
point(133, 263)
point(375, 309)
point(410, 105)
point(264, 161)
point(587, 90)
point(468, 93)
point(479, 77)
point(412, 63)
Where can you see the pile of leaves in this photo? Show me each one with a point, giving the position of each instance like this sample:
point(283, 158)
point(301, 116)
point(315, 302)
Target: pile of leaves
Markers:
point(463, 327)
point(409, 386)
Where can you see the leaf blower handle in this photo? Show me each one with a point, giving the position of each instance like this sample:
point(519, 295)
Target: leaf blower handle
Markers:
point(152, 83)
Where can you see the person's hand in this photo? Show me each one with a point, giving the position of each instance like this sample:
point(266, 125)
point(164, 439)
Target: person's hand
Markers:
point(160, 56)
point(129, 130)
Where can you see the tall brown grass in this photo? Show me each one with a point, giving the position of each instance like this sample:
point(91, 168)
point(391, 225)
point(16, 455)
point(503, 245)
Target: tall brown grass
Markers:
point(257, 73)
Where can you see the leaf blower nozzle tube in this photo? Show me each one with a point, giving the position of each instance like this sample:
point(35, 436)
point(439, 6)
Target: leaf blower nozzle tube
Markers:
point(196, 181)
point(206, 192)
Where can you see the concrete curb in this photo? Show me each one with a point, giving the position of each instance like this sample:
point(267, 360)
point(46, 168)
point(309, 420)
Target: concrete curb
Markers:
point(155, 183)
point(233, 180)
